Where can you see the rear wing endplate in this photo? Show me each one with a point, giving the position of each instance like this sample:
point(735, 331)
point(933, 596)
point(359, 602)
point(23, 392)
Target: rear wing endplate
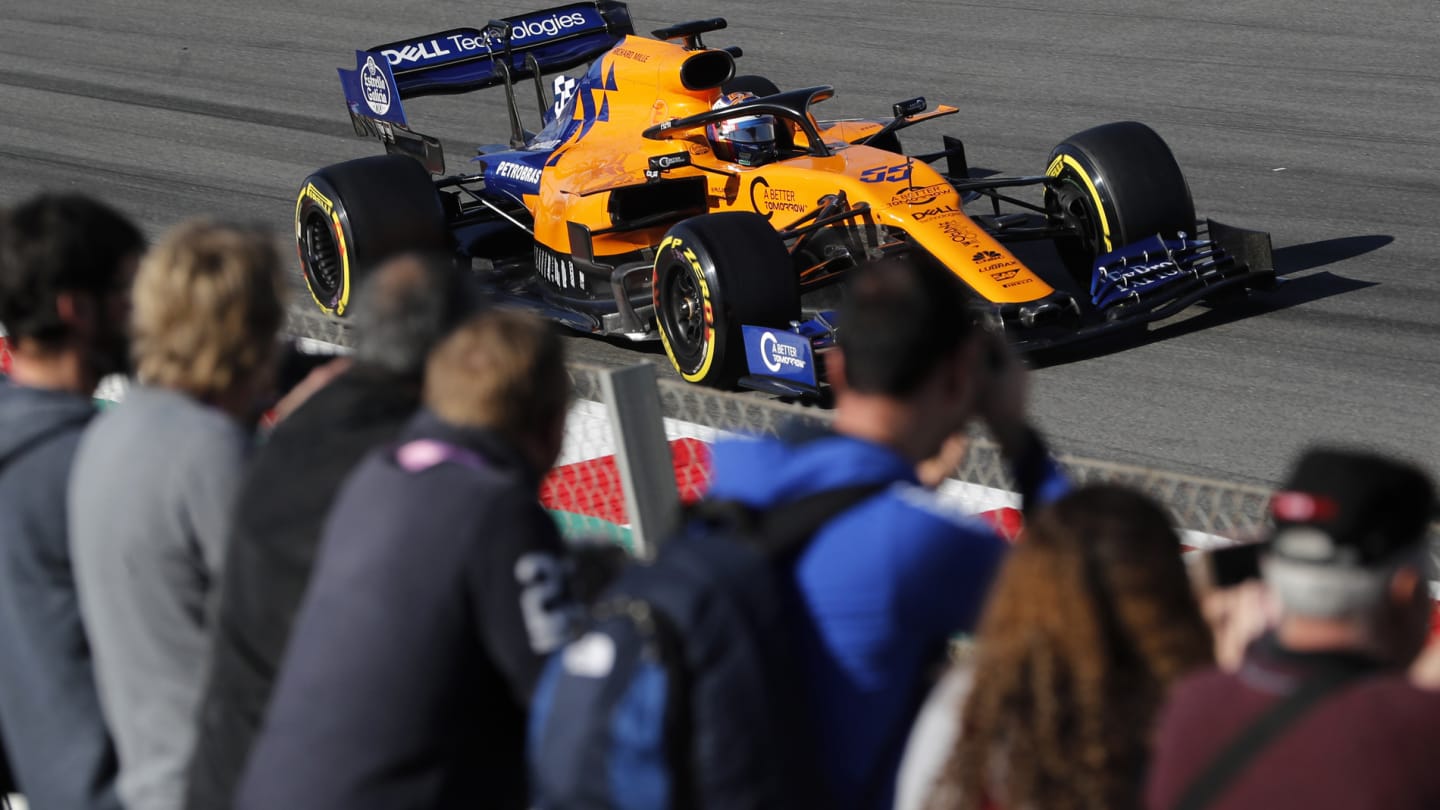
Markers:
point(464, 59)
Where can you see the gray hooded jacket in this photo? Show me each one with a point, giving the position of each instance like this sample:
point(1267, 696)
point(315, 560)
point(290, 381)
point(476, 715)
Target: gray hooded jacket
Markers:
point(49, 712)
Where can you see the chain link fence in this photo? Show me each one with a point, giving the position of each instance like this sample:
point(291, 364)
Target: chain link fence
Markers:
point(1203, 506)
point(584, 492)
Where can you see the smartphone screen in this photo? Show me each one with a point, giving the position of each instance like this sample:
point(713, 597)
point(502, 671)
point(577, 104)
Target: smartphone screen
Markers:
point(1232, 565)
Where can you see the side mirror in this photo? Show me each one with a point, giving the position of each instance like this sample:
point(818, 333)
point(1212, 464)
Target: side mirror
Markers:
point(663, 163)
point(909, 107)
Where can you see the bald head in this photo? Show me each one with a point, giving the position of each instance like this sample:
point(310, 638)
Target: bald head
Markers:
point(407, 306)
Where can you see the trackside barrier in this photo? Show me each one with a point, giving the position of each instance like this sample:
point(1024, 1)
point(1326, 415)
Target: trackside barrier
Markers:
point(642, 453)
point(1210, 510)
point(591, 486)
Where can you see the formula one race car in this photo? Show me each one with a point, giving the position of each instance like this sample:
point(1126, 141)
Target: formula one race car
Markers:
point(665, 197)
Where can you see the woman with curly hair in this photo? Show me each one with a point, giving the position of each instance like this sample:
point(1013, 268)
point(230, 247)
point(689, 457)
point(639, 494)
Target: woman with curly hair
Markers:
point(1089, 622)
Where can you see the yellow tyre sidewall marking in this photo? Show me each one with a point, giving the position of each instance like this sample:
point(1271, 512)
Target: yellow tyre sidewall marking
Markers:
point(669, 244)
point(1063, 160)
point(313, 194)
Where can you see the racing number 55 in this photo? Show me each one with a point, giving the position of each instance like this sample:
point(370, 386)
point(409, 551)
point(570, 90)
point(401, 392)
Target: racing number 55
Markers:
point(886, 174)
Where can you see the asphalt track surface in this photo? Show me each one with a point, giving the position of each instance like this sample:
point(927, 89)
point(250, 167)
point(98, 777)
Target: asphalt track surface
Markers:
point(1317, 120)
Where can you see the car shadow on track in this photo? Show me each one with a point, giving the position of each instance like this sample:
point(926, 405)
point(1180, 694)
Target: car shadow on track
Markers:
point(1293, 290)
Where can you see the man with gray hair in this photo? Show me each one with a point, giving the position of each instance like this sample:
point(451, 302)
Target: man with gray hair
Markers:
point(404, 309)
point(1321, 713)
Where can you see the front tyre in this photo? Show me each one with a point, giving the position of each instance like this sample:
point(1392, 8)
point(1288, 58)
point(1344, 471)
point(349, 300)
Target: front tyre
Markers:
point(351, 216)
point(1118, 183)
point(714, 273)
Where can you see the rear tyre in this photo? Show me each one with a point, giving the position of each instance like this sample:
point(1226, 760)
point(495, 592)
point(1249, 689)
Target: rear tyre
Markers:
point(351, 216)
point(713, 273)
point(1119, 183)
point(749, 83)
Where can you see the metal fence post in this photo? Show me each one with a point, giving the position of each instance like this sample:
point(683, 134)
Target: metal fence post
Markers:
point(642, 453)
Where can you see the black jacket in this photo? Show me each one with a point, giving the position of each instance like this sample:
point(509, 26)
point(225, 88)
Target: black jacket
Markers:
point(438, 591)
point(280, 513)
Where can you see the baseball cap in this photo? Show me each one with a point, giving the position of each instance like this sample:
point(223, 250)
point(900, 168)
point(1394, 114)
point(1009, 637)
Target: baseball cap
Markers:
point(1350, 507)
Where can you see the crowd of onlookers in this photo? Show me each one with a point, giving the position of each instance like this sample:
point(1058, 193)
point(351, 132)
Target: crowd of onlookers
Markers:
point(355, 605)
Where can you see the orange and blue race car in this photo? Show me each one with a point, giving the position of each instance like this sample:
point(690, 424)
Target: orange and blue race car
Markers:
point(666, 198)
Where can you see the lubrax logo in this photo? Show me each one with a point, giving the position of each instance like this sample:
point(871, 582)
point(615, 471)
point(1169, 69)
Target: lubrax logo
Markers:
point(985, 256)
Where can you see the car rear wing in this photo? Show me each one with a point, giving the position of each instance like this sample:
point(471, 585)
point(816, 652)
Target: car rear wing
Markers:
point(460, 60)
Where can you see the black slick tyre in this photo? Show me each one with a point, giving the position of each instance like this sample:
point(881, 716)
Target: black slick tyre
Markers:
point(351, 216)
point(750, 83)
point(714, 273)
point(1119, 183)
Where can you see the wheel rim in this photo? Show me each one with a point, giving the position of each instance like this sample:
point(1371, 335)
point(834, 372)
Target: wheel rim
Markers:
point(322, 256)
point(1077, 211)
point(683, 308)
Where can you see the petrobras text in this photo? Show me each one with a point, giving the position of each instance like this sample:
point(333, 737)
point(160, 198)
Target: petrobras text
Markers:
point(518, 171)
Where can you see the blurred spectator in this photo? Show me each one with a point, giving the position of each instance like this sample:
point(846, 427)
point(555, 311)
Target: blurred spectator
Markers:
point(886, 584)
point(933, 471)
point(1089, 623)
point(153, 490)
point(436, 595)
point(1237, 615)
point(1425, 672)
point(1233, 598)
point(66, 263)
point(1320, 713)
point(401, 313)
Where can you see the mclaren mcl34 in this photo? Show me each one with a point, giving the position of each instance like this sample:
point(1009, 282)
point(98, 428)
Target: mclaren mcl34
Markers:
point(666, 198)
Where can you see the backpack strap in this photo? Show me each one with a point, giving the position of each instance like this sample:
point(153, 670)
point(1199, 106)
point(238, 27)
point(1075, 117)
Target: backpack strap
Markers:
point(787, 528)
point(781, 530)
point(1232, 760)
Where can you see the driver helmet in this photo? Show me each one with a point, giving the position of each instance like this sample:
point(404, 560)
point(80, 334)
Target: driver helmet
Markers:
point(748, 140)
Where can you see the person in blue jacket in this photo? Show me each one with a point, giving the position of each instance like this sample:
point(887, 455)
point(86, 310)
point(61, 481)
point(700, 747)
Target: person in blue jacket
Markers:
point(884, 586)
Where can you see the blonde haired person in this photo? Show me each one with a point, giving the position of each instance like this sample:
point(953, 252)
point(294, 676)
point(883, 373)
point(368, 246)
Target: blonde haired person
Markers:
point(437, 594)
point(400, 312)
point(153, 487)
point(207, 310)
